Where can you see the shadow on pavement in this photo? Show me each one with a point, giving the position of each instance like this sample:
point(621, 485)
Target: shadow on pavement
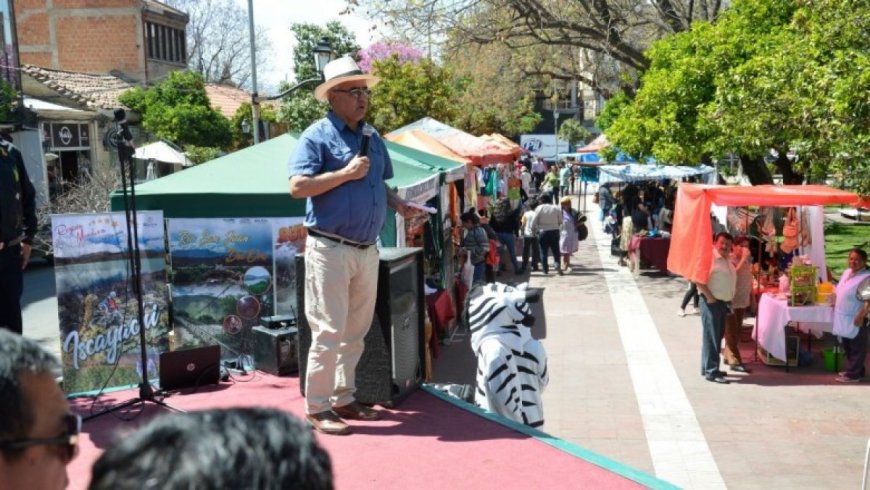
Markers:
point(38, 282)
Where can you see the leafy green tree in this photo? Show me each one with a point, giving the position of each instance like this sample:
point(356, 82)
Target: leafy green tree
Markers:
point(201, 154)
point(8, 98)
point(810, 94)
point(770, 75)
point(492, 93)
point(178, 109)
point(547, 36)
point(268, 114)
point(573, 132)
point(299, 109)
point(409, 91)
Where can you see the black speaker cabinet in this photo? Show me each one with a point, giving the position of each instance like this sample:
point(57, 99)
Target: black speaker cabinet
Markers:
point(391, 366)
point(275, 350)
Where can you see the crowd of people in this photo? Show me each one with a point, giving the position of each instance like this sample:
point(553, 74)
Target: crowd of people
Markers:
point(628, 210)
point(526, 228)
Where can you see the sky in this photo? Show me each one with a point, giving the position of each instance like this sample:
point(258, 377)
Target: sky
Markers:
point(278, 15)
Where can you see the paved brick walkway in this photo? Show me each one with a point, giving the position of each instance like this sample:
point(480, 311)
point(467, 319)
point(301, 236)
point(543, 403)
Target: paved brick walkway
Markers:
point(768, 429)
point(616, 380)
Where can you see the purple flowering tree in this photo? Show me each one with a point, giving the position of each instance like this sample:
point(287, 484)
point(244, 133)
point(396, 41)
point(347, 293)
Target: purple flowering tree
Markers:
point(382, 50)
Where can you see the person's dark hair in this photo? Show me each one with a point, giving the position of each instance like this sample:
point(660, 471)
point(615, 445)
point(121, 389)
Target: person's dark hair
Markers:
point(547, 198)
point(253, 448)
point(861, 253)
point(482, 212)
point(740, 240)
point(19, 355)
point(469, 217)
point(724, 234)
point(532, 203)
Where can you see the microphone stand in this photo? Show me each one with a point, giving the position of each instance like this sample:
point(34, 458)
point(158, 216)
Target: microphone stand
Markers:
point(125, 160)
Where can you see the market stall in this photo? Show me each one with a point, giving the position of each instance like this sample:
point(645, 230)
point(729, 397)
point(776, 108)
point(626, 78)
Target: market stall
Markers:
point(433, 232)
point(637, 172)
point(692, 243)
point(649, 250)
point(774, 313)
point(159, 158)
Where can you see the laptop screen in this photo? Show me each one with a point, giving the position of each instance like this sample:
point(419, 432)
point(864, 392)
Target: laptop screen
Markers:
point(190, 368)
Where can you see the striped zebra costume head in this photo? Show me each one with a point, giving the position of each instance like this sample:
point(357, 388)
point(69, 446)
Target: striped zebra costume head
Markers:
point(501, 310)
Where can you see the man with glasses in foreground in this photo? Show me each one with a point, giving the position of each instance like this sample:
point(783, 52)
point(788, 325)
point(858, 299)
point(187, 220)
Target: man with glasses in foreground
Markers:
point(340, 166)
point(38, 434)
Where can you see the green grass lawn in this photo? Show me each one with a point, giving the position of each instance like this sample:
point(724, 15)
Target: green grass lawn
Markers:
point(839, 239)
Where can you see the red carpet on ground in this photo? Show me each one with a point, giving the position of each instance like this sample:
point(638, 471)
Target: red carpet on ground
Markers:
point(426, 442)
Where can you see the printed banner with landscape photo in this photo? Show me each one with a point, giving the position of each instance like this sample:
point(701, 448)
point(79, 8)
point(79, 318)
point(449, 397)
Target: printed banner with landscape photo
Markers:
point(97, 309)
point(288, 240)
point(222, 280)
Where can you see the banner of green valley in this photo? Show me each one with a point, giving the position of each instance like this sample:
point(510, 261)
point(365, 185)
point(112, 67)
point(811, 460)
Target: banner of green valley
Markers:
point(99, 328)
point(226, 274)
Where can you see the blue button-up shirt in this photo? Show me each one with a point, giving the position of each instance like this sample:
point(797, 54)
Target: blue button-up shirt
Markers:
point(356, 209)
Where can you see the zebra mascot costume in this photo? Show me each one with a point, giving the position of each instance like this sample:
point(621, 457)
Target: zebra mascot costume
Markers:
point(511, 365)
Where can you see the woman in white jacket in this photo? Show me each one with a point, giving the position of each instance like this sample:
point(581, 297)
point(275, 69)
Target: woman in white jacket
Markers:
point(850, 317)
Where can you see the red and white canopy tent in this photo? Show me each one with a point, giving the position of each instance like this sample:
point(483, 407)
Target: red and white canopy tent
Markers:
point(692, 234)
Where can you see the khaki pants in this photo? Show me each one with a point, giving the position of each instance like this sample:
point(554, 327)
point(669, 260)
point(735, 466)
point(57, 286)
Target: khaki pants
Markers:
point(733, 324)
point(341, 284)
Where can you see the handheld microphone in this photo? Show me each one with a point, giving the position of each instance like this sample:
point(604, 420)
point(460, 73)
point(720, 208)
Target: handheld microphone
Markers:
point(367, 132)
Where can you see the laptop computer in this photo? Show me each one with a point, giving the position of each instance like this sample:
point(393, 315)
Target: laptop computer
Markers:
point(190, 367)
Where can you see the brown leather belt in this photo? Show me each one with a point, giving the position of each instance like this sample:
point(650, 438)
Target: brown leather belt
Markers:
point(338, 239)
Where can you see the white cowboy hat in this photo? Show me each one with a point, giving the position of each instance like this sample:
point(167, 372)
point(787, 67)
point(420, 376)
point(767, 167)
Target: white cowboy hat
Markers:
point(340, 71)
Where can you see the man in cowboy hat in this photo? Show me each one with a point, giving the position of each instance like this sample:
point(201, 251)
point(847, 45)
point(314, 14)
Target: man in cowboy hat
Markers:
point(347, 202)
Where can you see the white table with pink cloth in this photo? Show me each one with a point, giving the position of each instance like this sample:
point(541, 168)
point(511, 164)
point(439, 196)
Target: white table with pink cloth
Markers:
point(774, 314)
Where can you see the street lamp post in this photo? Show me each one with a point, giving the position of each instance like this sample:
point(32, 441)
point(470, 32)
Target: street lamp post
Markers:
point(255, 109)
point(323, 54)
point(556, 131)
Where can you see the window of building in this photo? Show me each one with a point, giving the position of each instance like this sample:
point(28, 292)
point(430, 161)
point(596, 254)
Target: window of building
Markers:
point(165, 43)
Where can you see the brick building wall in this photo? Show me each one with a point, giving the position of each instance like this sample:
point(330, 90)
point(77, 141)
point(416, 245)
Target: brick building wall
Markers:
point(94, 36)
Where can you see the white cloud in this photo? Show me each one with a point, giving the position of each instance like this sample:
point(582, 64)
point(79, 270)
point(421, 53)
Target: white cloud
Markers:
point(278, 15)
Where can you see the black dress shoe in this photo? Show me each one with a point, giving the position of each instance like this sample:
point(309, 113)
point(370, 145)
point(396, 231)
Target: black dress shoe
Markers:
point(717, 379)
point(739, 368)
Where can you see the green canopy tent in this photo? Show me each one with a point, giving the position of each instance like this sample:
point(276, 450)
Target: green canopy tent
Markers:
point(442, 223)
point(253, 183)
point(450, 170)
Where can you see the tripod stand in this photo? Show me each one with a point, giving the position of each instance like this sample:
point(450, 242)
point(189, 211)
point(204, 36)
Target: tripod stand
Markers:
point(125, 159)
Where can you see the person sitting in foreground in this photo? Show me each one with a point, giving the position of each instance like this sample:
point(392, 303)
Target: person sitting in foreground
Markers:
point(251, 448)
point(38, 434)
